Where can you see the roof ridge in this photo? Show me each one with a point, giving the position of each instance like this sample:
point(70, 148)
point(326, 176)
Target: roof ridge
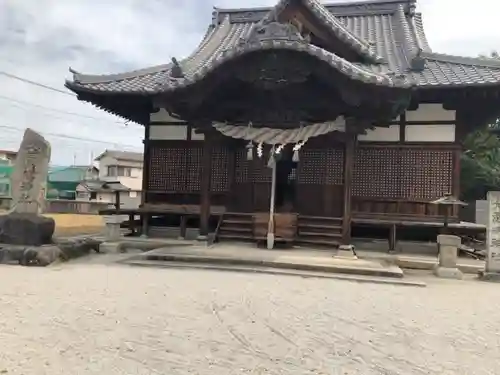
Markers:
point(340, 4)
point(330, 21)
point(404, 36)
point(463, 60)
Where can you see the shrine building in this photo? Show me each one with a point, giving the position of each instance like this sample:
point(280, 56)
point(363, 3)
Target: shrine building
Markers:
point(325, 116)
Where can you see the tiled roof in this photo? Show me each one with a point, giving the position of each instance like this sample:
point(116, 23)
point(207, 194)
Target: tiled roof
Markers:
point(389, 33)
point(122, 155)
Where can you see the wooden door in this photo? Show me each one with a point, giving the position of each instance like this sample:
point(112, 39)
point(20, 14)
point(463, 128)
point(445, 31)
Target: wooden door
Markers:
point(320, 190)
point(262, 176)
point(252, 182)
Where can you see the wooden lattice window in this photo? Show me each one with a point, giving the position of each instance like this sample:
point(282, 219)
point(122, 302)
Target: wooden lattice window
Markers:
point(335, 166)
point(426, 174)
point(220, 170)
point(167, 165)
point(175, 169)
point(261, 172)
point(242, 166)
point(377, 172)
point(312, 167)
point(193, 169)
point(321, 167)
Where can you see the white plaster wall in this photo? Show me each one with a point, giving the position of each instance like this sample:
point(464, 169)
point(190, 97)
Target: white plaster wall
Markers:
point(430, 112)
point(172, 132)
point(162, 116)
point(168, 132)
point(430, 133)
point(381, 134)
point(197, 136)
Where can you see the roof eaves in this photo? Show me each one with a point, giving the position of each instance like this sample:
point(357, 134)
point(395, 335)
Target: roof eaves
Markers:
point(106, 78)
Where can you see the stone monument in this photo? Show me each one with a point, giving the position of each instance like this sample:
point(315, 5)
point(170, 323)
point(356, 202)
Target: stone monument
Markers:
point(492, 267)
point(24, 225)
point(448, 256)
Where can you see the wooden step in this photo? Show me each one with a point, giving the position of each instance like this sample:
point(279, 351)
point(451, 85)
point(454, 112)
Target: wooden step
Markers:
point(236, 221)
point(322, 234)
point(225, 228)
point(235, 237)
point(238, 214)
point(317, 242)
point(319, 226)
point(320, 218)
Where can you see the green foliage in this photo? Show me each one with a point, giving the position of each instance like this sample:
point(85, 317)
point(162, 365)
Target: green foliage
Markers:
point(480, 164)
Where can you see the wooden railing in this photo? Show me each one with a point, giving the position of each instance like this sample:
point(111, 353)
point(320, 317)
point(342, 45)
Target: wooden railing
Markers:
point(401, 208)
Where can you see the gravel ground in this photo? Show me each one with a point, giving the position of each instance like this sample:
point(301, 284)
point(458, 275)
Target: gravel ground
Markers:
point(96, 319)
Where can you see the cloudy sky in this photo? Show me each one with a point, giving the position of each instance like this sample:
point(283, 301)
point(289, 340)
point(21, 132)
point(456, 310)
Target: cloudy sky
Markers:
point(40, 39)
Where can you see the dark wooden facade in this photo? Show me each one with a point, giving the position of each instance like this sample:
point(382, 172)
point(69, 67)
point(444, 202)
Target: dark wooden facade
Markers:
point(393, 180)
point(304, 63)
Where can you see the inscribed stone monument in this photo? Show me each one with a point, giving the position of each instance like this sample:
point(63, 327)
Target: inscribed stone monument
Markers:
point(24, 225)
point(493, 233)
point(29, 178)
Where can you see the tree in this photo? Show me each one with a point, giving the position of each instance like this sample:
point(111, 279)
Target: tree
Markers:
point(480, 162)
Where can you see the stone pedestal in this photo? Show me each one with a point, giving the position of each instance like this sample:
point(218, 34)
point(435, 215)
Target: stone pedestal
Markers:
point(112, 229)
point(346, 252)
point(28, 229)
point(448, 256)
point(111, 248)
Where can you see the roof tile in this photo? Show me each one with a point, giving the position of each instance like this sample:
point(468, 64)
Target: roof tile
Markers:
point(380, 28)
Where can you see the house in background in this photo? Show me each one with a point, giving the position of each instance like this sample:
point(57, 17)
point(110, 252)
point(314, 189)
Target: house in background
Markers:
point(5, 184)
point(105, 192)
point(62, 181)
point(7, 157)
point(120, 170)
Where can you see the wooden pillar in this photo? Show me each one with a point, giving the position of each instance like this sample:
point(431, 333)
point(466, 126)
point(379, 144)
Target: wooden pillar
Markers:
point(206, 172)
point(145, 180)
point(348, 172)
point(145, 165)
point(117, 202)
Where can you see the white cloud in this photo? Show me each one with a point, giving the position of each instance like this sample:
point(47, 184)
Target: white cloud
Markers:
point(40, 39)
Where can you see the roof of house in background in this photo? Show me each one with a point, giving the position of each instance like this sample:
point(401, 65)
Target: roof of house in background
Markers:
point(8, 152)
point(103, 186)
point(388, 35)
point(122, 155)
point(68, 174)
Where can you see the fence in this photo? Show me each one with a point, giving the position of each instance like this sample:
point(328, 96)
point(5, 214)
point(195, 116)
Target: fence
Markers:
point(63, 206)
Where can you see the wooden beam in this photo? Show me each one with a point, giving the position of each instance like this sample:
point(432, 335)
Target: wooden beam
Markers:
point(206, 173)
point(348, 170)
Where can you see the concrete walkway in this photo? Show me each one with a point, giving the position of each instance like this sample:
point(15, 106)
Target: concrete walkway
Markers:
point(244, 255)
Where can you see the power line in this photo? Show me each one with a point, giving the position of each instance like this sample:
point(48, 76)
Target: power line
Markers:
point(13, 76)
point(22, 102)
point(82, 139)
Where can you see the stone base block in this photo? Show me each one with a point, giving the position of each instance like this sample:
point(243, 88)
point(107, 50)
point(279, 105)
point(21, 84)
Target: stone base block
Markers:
point(489, 276)
point(42, 255)
point(111, 248)
point(346, 252)
point(26, 229)
point(202, 238)
point(448, 273)
point(30, 256)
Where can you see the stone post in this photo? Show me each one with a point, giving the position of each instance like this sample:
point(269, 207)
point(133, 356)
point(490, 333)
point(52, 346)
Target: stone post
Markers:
point(112, 230)
point(448, 255)
point(346, 252)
